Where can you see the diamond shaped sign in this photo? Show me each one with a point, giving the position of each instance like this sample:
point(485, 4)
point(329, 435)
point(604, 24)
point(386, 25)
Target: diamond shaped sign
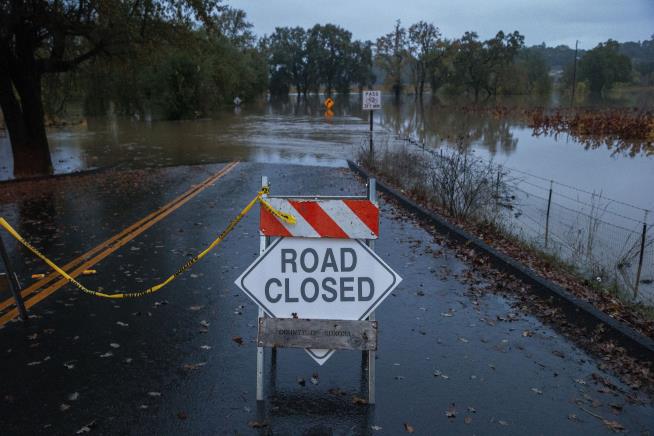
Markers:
point(318, 279)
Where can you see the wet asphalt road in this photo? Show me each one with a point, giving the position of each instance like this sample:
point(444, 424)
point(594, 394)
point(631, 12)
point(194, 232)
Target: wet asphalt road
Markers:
point(168, 364)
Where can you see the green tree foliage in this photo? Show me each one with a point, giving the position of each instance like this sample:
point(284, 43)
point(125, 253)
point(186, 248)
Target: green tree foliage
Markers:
point(54, 36)
point(361, 65)
point(392, 54)
point(483, 65)
point(529, 75)
point(329, 53)
point(424, 40)
point(181, 79)
point(287, 60)
point(603, 66)
point(323, 56)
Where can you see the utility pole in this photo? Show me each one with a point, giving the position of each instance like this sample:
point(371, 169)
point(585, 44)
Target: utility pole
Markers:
point(574, 76)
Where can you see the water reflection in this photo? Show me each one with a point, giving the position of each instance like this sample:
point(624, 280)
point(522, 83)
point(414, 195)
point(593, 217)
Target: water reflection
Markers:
point(297, 130)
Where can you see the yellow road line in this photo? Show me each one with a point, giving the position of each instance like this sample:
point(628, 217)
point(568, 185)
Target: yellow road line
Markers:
point(50, 277)
point(113, 244)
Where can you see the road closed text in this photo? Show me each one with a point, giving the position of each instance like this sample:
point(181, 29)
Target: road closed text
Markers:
point(318, 275)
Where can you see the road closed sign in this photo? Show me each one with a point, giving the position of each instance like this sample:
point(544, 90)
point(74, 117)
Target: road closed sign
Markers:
point(371, 100)
point(312, 278)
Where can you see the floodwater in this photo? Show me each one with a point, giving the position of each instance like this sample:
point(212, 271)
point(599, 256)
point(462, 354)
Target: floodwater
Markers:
point(301, 132)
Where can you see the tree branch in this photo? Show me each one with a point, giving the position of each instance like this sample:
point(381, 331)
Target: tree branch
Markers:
point(52, 65)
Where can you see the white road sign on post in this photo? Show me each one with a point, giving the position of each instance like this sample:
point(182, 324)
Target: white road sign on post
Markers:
point(371, 100)
point(318, 279)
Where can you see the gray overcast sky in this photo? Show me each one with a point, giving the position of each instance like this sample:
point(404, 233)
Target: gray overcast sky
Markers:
point(552, 21)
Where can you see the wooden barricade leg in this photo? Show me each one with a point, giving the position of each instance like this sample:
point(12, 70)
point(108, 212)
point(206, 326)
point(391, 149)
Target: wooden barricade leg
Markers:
point(372, 196)
point(263, 243)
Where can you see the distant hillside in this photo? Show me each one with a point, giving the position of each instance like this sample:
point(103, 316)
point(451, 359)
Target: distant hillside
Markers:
point(640, 53)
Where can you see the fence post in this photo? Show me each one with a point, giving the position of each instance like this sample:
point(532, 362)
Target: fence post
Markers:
point(497, 184)
point(642, 254)
point(547, 217)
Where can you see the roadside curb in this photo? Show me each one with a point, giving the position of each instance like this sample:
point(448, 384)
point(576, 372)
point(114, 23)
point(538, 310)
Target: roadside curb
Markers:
point(579, 310)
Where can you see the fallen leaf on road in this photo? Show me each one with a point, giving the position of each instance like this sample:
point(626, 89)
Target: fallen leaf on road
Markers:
point(616, 408)
point(154, 394)
point(238, 340)
point(204, 323)
point(205, 347)
point(107, 354)
point(537, 391)
point(257, 424)
point(451, 411)
point(376, 427)
point(122, 324)
point(74, 396)
point(408, 428)
point(114, 345)
point(196, 308)
point(301, 381)
point(613, 425)
point(558, 354)
point(315, 379)
point(572, 417)
point(193, 366)
point(359, 401)
point(87, 428)
point(63, 407)
point(503, 422)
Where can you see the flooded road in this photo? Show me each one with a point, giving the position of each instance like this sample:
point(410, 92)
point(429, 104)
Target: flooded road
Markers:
point(598, 187)
point(454, 356)
point(300, 132)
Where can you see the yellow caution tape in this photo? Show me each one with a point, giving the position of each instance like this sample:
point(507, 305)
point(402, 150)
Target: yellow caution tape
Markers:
point(259, 198)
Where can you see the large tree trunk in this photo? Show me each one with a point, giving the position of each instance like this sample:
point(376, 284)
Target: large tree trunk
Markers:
point(24, 119)
point(20, 100)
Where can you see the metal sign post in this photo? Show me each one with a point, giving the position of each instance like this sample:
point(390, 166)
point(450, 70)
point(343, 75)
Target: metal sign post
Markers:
point(12, 281)
point(318, 282)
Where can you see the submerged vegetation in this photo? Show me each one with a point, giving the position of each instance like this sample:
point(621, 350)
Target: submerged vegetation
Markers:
point(487, 200)
point(630, 131)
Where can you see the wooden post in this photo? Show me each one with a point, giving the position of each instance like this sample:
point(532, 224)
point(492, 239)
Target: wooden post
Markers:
point(574, 77)
point(13, 281)
point(547, 217)
point(642, 254)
